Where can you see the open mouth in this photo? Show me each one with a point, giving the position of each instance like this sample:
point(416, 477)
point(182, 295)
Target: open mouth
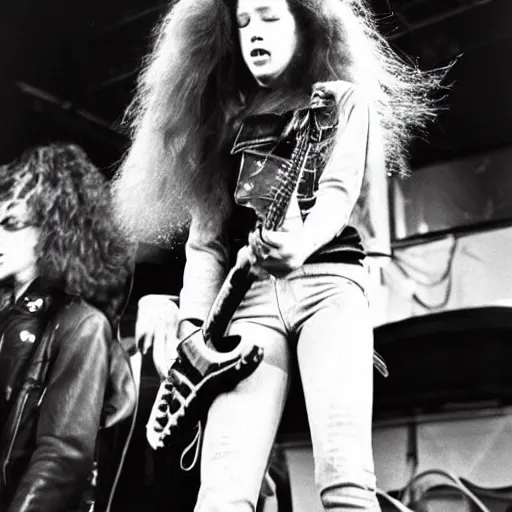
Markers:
point(260, 52)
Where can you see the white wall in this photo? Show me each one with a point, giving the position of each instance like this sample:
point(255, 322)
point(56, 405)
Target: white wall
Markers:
point(480, 273)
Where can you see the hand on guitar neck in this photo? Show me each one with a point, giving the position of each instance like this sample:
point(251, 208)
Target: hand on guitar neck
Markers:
point(276, 252)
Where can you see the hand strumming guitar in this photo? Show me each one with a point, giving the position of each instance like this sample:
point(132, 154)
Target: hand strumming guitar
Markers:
point(276, 252)
point(282, 251)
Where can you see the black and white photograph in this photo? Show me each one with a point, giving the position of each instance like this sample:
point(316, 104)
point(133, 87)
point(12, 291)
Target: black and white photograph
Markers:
point(255, 256)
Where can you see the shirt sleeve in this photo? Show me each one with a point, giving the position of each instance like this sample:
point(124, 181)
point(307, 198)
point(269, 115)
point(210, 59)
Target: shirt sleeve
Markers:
point(341, 181)
point(206, 267)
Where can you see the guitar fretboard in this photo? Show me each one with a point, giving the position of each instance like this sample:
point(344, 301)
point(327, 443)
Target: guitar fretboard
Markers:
point(286, 181)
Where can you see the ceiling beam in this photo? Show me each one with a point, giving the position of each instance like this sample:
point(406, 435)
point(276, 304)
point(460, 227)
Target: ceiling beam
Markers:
point(65, 112)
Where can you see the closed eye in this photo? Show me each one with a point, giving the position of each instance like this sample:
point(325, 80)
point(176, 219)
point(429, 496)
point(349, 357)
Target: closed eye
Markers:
point(268, 14)
point(244, 19)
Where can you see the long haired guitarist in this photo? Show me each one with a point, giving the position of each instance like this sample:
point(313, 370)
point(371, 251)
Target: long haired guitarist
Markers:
point(227, 95)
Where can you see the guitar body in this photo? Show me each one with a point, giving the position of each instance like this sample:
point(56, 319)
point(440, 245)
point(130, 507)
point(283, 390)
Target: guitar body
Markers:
point(196, 377)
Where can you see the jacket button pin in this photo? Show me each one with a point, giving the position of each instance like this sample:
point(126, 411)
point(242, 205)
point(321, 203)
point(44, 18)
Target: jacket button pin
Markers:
point(27, 337)
point(34, 305)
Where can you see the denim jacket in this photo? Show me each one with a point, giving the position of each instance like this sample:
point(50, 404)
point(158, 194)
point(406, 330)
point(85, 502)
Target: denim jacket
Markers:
point(355, 173)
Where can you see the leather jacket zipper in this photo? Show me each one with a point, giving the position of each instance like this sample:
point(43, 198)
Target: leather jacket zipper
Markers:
point(13, 439)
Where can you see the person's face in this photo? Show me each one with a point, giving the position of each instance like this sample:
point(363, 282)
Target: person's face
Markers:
point(18, 240)
point(268, 37)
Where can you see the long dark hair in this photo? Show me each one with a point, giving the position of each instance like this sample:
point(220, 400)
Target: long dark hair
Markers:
point(194, 84)
point(80, 250)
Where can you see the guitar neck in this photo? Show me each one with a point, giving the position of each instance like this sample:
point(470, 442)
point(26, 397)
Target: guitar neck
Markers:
point(231, 294)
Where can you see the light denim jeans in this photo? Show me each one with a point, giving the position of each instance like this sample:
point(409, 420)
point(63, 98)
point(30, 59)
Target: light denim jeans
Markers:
point(321, 311)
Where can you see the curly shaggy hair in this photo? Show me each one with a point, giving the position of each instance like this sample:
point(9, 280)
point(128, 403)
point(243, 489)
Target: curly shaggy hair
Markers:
point(195, 87)
point(81, 249)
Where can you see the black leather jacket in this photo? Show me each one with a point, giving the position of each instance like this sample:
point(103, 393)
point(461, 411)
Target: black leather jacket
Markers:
point(63, 377)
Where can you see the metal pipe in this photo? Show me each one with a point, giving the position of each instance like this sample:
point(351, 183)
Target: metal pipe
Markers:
point(63, 105)
point(134, 17)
